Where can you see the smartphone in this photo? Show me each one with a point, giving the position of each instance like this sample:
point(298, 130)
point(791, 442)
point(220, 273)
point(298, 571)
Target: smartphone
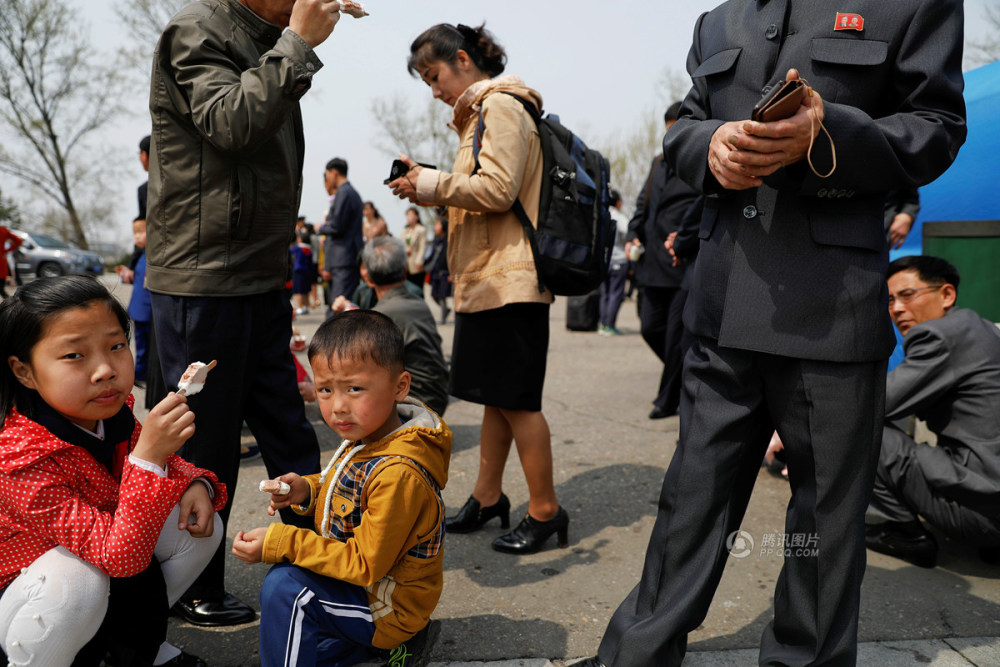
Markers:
point(399, 168)
point(781, 101)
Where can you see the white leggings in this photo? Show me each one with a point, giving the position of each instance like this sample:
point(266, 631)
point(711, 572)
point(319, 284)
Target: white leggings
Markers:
point(53, 608)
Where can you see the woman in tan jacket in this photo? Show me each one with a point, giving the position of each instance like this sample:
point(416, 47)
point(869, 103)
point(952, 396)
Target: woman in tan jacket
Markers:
point(501, 317)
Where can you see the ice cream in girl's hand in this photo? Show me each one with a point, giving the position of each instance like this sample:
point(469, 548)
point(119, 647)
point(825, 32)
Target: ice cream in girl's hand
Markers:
point(194, 377)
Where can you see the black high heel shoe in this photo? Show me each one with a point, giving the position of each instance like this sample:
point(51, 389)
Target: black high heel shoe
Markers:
point(530, 534)
point(472, 517)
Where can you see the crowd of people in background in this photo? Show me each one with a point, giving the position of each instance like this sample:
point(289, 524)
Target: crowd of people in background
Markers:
point(768, 303)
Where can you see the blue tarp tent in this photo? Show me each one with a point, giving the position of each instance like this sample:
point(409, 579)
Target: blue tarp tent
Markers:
point(970, 189)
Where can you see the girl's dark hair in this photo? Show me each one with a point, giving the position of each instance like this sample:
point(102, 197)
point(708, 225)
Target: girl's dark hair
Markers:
point(359, 335)
point(442, 43)
point(23, 315)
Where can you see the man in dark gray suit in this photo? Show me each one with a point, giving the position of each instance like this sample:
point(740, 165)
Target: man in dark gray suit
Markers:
point(789, 304)
point(950, 377)
point(342, 229)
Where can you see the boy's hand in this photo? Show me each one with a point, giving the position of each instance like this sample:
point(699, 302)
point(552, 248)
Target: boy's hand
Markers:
point(298, 495)
point(197, 513)
point(248, 546)
point(167, 427)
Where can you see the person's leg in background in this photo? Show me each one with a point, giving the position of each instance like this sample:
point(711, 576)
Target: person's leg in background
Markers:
point(274, 409)
point(669, 395)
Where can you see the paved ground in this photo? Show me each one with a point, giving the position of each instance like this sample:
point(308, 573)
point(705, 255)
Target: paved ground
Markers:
point(609, 464)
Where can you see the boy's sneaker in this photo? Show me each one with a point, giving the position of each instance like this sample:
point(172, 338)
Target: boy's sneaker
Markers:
point(415, 651)
point(302, 311)
point(603, 330)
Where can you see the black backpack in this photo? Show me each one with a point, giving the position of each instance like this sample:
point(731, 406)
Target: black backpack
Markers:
point(572, 241)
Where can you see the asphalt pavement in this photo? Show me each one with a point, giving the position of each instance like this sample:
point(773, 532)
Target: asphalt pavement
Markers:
point(551, 608)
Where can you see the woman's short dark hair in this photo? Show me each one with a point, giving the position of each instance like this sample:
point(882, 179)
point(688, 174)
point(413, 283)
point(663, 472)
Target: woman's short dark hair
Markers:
point(23, 316)
point(359, 335)
point(443, 42)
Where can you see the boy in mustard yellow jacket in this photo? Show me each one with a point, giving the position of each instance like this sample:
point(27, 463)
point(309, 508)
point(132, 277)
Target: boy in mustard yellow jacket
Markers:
point(362, 586)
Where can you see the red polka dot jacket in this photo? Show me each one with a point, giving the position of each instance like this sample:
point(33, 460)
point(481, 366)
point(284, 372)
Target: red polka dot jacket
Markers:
point(54, 494)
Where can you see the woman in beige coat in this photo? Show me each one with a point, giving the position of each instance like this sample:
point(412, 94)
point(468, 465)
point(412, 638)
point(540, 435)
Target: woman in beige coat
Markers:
point(501, 317)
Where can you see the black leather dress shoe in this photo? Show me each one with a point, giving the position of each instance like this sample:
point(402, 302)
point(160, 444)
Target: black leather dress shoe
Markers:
point(215, 613)
point(472, 516)
point(660, 413)
point(589, 662)
point(906, 540)
point(530, 534)
point(184, 660)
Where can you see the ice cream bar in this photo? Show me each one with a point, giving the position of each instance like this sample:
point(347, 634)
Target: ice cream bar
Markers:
point(274, 486)
point(355, 9)
point(193, 379)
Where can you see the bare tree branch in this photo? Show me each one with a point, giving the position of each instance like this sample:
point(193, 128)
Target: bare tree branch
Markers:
point(54, 96)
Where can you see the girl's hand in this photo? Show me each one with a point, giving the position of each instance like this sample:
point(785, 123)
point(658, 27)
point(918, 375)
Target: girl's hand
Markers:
point(298, 495)
point(405, 187)
point(168, 426)
point(248, 546)
point(197, 513)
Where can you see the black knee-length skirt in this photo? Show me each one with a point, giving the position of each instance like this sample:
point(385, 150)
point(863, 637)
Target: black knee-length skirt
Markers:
point(498, 356)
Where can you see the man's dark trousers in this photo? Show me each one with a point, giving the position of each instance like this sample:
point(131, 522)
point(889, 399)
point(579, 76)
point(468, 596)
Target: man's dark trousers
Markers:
point(661, 322)
point(826, 414)
point(254, 381)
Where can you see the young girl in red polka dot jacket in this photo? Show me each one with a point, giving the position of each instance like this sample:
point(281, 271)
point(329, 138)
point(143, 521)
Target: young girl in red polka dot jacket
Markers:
point(102, 526)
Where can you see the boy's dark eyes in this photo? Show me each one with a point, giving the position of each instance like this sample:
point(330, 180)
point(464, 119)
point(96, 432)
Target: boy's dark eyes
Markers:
point(119, 346)
point(73, 355)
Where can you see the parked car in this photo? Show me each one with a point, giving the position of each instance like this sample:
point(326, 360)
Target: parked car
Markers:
point(45, 257)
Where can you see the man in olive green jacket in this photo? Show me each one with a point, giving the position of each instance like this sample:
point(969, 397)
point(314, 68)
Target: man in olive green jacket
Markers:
point(225, 177)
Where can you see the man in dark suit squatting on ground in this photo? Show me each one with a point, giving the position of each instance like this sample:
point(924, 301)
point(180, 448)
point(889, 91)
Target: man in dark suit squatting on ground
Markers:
point(950, 378)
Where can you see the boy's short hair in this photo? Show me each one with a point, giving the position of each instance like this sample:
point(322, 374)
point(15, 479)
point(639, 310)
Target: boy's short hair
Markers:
point(360, 335)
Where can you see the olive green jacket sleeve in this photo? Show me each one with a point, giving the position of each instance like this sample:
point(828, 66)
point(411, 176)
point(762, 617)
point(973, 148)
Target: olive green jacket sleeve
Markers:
point(233, 107)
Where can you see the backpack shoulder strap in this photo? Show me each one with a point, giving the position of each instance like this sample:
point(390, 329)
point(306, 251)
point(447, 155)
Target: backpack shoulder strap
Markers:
point(517, 208)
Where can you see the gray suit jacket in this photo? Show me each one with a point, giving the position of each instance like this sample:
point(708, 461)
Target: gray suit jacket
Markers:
point(797, 266)
point(422, 354)
point(950, 378)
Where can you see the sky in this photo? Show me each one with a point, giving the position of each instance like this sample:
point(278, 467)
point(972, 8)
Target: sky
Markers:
point(596, 64)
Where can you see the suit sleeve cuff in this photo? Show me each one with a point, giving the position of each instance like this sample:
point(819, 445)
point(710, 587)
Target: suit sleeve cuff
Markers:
point(427, 183)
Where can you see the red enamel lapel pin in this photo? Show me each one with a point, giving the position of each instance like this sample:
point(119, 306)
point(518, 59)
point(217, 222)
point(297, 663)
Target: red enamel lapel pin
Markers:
point(849, 22)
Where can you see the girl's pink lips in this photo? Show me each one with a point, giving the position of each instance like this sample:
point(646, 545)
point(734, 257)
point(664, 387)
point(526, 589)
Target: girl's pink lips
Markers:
point(107, 396)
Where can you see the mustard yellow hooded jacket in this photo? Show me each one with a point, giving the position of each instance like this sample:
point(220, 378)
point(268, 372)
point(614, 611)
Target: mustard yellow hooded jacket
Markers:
point(385, 521)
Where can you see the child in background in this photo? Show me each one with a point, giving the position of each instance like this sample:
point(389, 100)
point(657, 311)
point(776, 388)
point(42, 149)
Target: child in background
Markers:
point(302, 271)
point(364, 583)
point(139, 306)
point(98, 517)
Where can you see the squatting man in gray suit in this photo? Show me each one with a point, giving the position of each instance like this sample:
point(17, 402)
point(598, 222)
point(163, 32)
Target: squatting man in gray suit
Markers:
point(789, 304)
point(950, 377)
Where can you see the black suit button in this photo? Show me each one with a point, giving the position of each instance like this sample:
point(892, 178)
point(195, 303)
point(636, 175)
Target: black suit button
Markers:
point(750, 212)
point(771, 32)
